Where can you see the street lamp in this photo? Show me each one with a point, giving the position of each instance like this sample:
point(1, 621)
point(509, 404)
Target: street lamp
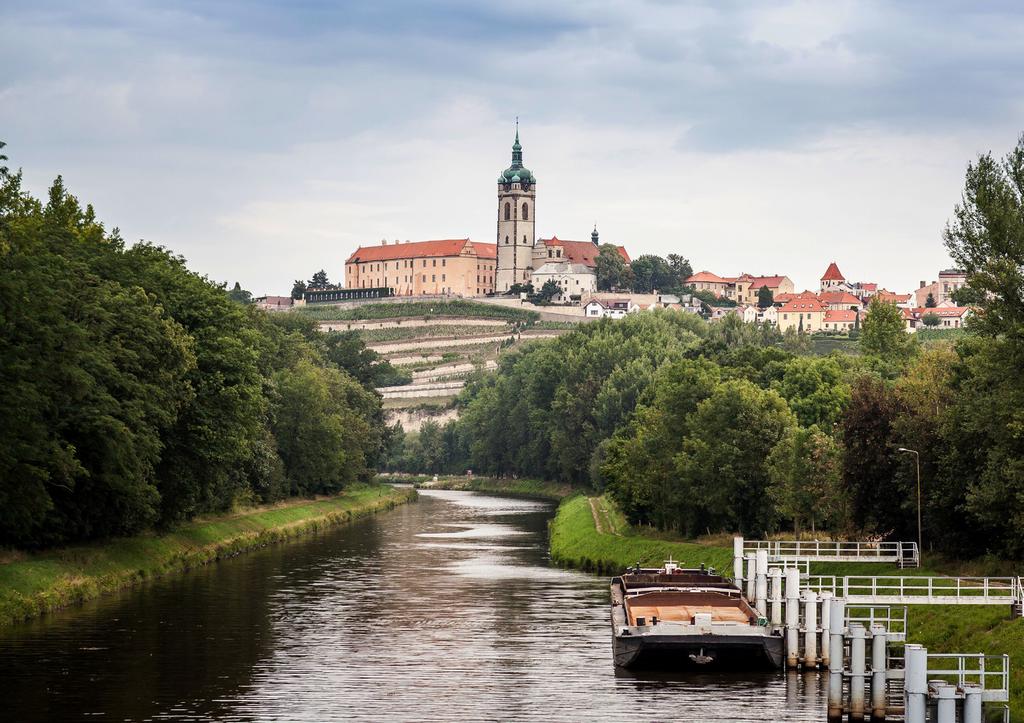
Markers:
point(917, 465)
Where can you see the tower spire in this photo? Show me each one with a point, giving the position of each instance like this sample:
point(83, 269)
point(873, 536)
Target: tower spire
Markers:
point(517, 150)
point(593, 235)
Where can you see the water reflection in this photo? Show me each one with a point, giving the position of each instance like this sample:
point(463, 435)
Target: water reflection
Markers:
point(441, 610)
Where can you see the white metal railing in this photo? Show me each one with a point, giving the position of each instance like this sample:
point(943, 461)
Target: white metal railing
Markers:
point(834, 550)
point(912, 590)
point(992, 672)
point(892, 617)
point(804, 566)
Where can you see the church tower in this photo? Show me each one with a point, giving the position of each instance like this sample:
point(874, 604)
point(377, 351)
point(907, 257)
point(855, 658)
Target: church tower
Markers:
point(517, 195)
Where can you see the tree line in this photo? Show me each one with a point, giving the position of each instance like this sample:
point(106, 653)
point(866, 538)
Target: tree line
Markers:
point(137, 393)
point(697, 427)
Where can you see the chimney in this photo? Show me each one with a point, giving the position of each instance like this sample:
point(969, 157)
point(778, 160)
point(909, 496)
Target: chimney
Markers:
point(922, 285)
point(383, 242)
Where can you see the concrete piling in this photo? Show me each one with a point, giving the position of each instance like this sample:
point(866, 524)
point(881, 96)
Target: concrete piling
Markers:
point(761, 582)
point(737, 561)
point(878, 673)
point(776, 577)
point(857, 670)
point(972, 703)
point(810, 629)
point(824, 652)
point(915, 683)
point(837, 616)
point(792, 616)
point(749, 579)
point(946, 707)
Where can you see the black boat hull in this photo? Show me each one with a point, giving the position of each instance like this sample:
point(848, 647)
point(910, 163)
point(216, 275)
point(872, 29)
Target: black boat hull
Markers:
point(699, 652)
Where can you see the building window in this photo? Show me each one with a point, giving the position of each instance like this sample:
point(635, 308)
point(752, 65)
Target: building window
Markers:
point(524, 238)
point(442, 262)
point(508, 211)
point(526, 212)
point(506, 240)
point(424, 278)
point(433, 277)
point(442, 277)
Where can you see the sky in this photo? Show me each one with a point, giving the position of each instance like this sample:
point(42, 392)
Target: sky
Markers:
point(266, 140)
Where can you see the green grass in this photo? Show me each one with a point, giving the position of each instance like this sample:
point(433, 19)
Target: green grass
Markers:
point(36, 583)
point(403, 333)
point(823, 345)
point(424, 309)
point(926, 334)
point(576, 542)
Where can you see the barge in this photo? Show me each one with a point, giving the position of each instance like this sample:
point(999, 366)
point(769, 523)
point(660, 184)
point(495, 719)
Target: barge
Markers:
point(688, 619)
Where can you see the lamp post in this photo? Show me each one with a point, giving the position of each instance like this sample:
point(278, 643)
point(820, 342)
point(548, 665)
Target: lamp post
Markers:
point(917, 466)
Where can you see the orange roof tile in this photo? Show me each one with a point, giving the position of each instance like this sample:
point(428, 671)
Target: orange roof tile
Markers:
point(416, 250)
point(832, 273)
point(948, 311)
point(708, 277)
point(808, 305)
point(756, 282)
point(838, 297)
point(580, 252)
point(841, 315)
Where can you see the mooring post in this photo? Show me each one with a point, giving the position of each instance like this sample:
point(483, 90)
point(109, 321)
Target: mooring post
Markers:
point(972, 702)
point(946, 707)
point(878, 674)
point(776, 576)
point(857, 665)
point(761, 583)
point(915, 683)
point(837, 618)
point(826, 628)
point(792, 616)
point(737, 561)
point(810, 629)
point(751, 571)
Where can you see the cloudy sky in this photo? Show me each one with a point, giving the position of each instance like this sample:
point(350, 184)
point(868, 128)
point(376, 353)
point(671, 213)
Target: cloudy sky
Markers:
point(265, 140)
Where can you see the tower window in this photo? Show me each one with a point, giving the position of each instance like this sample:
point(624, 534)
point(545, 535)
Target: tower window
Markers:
point(508, 211)
point(526, 212)
point(524, 238)
point(506, 239)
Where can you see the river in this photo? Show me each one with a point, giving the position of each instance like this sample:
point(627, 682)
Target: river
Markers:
point(443, 609)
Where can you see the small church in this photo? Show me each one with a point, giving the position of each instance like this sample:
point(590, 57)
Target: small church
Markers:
point(462, 267)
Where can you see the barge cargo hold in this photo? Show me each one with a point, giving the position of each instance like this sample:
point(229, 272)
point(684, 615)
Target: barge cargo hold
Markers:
point(677, 619)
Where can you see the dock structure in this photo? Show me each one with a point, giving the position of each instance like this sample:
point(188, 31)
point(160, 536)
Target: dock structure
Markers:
point(903, 554)
point(848, 625)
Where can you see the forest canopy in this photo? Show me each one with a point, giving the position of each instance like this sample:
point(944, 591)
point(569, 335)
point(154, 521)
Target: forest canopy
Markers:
point(138, 393)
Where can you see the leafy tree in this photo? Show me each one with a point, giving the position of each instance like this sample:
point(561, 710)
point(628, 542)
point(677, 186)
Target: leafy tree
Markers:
point(549, 290)
point(929, 302)
point(652, 273)
point(3, 169)
point(611, 269)
point(815, 390)
point(319, 280)
point(883, 334)
point(298, 289)
point(722, 470)
point(805, 469)
point(765, 297)
point(986, 240)
point(240, 295)
point(681, 271)
point(931, 319)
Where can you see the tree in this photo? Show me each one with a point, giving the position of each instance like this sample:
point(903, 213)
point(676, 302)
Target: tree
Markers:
point(986, 240)
point(319, 280)
point(815, 391)
point(611, 269)
point(805, 470)
point(883, 334)
point(765, 297)
point(549, 290)
point(653, 273)
point(240, 295)
point(929, 302)
point(3, 169)
point(298, 289)
point(722, 470)
point(931, 319)
point(681, 270)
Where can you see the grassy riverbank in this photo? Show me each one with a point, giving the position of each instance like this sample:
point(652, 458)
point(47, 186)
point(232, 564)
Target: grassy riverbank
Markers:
point(591, 534)
point(32, 584)
point(511, 487)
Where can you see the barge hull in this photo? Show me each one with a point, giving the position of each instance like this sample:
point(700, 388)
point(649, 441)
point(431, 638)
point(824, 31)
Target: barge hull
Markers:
point(726, 653)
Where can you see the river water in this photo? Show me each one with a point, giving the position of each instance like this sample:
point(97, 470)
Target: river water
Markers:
point(444, 609)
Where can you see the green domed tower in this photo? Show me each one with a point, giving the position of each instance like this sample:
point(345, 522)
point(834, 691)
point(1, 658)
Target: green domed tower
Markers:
point(517, 197)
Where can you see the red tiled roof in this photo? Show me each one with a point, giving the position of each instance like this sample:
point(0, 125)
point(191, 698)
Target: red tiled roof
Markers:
point(420, 249)
point(840, 315)
point(756, 282)
point(949, 311)
point(832, 273)
point(892, 297)
point(580, 252)
point(869, 286)
point(707, 276)
point(802, 305)
point(838, 297)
